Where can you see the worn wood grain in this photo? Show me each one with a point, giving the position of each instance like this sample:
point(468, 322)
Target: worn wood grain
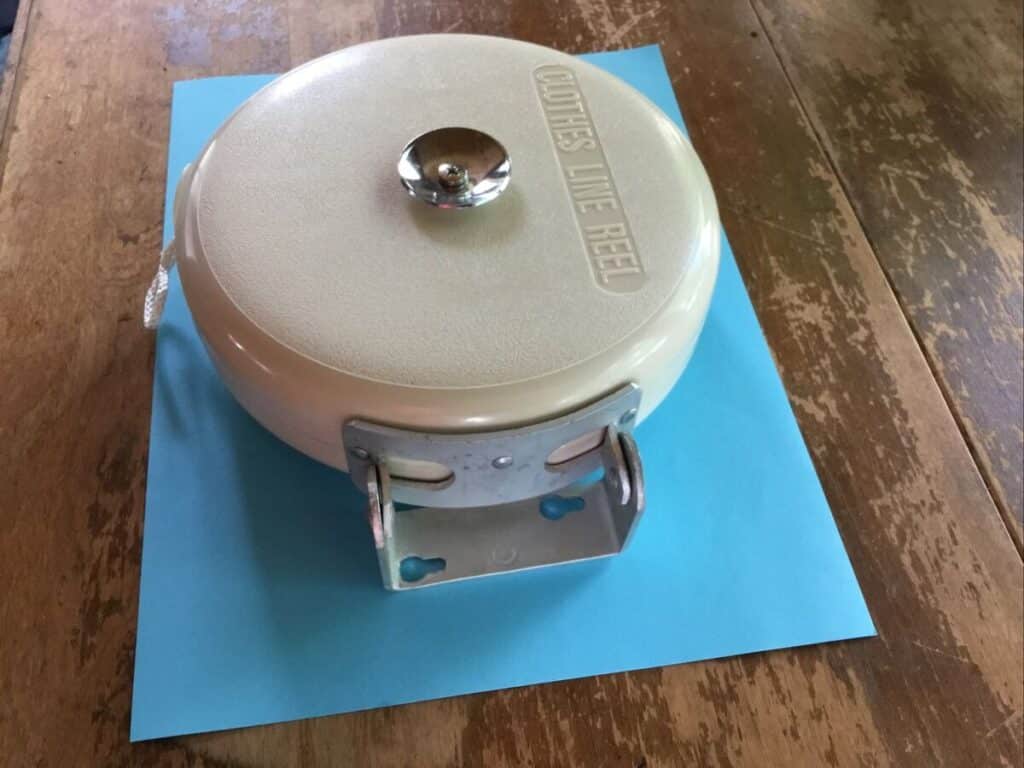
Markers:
point(80, 213)
point(920, 108)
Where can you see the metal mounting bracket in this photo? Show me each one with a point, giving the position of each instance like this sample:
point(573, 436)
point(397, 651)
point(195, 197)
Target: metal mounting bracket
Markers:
point(543, 515)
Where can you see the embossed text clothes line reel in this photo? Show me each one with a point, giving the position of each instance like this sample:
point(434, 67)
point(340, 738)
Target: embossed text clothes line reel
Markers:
point(461, 268)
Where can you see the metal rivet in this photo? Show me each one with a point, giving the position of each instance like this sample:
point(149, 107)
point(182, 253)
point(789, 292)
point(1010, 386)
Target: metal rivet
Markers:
point(502, 462)
point(360, 453)
point(628, 416)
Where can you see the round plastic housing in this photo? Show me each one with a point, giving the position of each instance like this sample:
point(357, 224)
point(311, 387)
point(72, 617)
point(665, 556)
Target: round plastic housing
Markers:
point(325, 291)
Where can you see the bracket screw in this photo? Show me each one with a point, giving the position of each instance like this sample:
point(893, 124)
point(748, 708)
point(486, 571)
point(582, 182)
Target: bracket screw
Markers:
point(627, 417)
point(502, 462)
point(360, 453)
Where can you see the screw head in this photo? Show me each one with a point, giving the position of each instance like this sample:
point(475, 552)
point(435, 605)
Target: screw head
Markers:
point(502, 462)
point(452, 176)
point(627, 417)
point(360, 453)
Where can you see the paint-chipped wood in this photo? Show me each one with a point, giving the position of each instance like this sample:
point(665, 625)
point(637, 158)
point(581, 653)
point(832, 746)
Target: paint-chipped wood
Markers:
point(80, 212)
point(920, 107)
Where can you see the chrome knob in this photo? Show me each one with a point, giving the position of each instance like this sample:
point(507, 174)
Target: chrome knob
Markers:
point(454, 168)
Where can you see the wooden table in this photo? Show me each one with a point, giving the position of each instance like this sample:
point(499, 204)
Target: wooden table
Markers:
point(867, 158)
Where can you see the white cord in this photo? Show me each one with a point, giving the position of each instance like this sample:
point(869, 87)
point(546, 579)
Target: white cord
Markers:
point(156, 294)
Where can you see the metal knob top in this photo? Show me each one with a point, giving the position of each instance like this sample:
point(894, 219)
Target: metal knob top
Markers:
point(454, 168)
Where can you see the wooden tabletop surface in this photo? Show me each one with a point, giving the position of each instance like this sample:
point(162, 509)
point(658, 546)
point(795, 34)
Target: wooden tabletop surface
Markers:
point(867, 159)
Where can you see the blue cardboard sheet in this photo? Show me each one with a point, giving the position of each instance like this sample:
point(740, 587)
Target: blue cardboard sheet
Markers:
point(261, 598)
